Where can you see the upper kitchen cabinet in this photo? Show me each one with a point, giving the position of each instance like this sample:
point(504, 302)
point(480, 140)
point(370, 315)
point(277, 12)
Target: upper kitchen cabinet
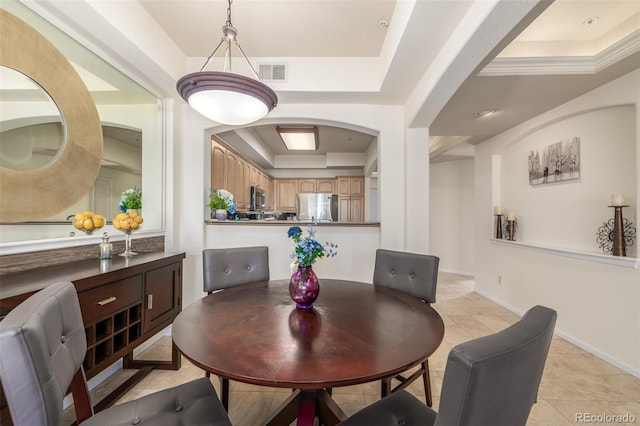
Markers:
point(351, 186)
point(255, 177)
point(306, 185)
point(266, 183)
point(231, 167)
point(286, 190)
point(241, 197)
point(269, 191)
point(326, 186)
point(236, 174)
point(218, 159)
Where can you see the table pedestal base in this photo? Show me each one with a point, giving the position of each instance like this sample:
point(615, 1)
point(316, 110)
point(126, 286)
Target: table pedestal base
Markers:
point(306, 405)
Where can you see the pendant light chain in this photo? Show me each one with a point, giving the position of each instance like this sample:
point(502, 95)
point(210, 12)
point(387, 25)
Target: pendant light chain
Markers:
point(229, 35)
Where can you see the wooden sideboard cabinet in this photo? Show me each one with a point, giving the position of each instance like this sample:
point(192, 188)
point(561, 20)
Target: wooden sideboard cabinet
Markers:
point(124, 302)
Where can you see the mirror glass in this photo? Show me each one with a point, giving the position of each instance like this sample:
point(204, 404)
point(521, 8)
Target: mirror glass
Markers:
point(132, 124)
point(31, 126)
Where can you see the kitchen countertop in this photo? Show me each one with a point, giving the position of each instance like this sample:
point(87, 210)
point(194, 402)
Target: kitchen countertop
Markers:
point(263, 222)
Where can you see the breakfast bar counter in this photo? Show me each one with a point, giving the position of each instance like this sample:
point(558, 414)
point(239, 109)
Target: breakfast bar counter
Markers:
point(288, 223)
point(356, 242)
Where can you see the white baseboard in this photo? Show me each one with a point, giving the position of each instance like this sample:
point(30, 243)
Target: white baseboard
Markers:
point(594, 351)
point(453, 271)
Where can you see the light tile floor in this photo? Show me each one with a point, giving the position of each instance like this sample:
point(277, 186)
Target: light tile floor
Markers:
point(574, 381)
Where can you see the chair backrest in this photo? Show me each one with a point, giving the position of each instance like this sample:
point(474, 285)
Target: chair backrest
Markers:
point(416, 274)
point(494, 380)
point(228, 267)
point(42, 346)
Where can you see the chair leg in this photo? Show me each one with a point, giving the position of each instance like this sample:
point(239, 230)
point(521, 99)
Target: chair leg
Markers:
point(427, 383)
point(224, 391)
point(385, 386)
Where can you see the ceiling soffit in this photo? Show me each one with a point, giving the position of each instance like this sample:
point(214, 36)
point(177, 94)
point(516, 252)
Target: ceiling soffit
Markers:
point(545, 65)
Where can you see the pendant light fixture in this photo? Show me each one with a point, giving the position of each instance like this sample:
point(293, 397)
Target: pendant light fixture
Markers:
point(223, 96)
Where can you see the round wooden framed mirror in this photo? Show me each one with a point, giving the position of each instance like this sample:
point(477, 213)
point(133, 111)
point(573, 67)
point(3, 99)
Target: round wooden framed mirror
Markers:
point(34, 194)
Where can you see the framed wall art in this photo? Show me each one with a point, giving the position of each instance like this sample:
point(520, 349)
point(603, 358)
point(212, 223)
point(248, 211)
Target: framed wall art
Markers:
point(555, 163)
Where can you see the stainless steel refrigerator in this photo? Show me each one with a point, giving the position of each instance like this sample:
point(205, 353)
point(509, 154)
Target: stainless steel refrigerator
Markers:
point(316, 207)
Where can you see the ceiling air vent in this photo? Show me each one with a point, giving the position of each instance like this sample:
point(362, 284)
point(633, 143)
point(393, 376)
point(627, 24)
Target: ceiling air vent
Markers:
point(272, 72)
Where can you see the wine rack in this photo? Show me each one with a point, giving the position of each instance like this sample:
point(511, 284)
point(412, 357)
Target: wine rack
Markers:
point(111, 335)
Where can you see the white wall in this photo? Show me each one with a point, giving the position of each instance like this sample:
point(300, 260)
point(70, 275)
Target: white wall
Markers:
point(355, 259)
point(567, 213)
point(451, 215)
point(598, 301)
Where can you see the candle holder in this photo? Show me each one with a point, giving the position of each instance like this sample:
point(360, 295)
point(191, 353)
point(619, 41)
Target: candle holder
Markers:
point(619, 246)
point(499, 232)
point(616, 234)
point(509, 229)
point(512, 225)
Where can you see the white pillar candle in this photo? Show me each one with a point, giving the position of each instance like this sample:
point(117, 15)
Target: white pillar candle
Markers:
point(617, 200)
point(497, 210)
point(511, 216)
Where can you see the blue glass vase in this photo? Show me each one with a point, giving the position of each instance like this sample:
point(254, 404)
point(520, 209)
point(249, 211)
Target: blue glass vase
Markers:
point(304, 287)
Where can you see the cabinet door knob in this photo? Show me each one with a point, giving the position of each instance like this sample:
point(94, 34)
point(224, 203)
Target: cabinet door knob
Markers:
point(107, 301)
point(150, 301)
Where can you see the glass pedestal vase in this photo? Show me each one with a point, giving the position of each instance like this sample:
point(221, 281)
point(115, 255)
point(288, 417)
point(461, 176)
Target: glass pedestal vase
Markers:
point(127, 244)
point(304, 287)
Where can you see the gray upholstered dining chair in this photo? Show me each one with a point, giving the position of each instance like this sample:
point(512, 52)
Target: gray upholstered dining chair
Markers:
point(490, 381)
point(416, 274)
point(42, 346)
point(228, 267)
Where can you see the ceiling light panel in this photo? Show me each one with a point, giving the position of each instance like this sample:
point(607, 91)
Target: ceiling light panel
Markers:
point(299, 138)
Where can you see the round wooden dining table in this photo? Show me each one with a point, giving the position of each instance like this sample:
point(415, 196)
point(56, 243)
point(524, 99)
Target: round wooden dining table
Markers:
point(356, 333)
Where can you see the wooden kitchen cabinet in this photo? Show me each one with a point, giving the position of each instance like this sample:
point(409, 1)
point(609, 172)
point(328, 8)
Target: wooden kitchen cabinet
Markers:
point(344, 187)
point(306, 185)
point(230, 172)
point(255, 177)
point(357, 186)
point(351, 186)
point(218, 160)
point(344, 207)
point(286, 190)
point(326, 186)
point(241, 196)
point(269, 194)
point(351, 209)
point(264, 182)
point(351, 199)
point(236, 174)
point(356, 209)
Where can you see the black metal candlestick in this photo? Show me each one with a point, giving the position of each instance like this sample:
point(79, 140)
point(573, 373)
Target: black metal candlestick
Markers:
point(499, 226)
point(619, 247)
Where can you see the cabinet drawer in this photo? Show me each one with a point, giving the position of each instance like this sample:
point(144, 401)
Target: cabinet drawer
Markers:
point(108, 299)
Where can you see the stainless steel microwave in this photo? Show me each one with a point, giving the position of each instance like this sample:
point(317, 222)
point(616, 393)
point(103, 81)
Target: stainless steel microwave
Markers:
point(257, 199)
